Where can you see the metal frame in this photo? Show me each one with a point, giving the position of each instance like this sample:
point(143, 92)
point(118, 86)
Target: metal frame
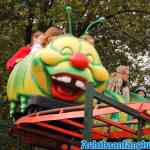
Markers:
point(92, 93)
point(67, 126)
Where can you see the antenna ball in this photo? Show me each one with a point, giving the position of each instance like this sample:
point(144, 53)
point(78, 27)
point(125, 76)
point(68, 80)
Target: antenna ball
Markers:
point(68, 8)
point(102, 18)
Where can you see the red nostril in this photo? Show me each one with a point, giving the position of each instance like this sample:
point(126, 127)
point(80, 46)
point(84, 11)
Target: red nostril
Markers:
point(79, 60)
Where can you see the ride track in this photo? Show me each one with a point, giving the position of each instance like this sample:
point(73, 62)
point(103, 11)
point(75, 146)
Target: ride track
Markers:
point(65, 126)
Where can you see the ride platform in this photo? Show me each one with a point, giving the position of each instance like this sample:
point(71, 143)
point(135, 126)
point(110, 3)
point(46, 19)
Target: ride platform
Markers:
point(64, 128)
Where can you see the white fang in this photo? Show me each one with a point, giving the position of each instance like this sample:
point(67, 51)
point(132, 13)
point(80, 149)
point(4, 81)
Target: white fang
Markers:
point(65, 79)
point(80, 84)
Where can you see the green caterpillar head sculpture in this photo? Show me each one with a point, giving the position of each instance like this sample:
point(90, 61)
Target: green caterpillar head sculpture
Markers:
point(65, 66)
point(60, 70)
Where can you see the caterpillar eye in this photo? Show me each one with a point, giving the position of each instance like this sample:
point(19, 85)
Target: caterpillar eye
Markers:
point(67, 51)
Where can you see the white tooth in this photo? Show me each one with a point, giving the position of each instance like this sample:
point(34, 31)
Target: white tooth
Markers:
point(80, 84)
point(64, 79)
point(53, 77)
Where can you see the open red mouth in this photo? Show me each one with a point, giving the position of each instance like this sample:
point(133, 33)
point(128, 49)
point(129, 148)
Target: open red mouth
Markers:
point(67, 87)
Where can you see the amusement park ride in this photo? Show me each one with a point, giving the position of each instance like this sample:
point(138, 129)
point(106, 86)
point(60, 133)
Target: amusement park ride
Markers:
point(67, 126)
point(52, 99)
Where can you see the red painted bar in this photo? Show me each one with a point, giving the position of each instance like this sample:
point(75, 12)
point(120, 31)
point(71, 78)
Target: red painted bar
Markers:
point(61, 130)
point(116, 124)
point(78, 114)
point(95, 133)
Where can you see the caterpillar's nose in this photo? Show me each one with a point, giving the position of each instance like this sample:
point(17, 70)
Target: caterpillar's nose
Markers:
point(79, 60)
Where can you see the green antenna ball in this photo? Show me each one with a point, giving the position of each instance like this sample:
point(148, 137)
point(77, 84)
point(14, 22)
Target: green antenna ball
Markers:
point(68, 9)
point(102, 19)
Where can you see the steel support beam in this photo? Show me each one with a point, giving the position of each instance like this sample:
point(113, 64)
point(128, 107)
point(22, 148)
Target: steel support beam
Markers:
point(88, 111)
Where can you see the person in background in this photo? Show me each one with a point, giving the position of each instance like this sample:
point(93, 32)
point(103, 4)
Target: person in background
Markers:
point(119, 84)
point(22, 52)
point(88, 38)
point(45, 38)
point(140, 90)
point(119, 81)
